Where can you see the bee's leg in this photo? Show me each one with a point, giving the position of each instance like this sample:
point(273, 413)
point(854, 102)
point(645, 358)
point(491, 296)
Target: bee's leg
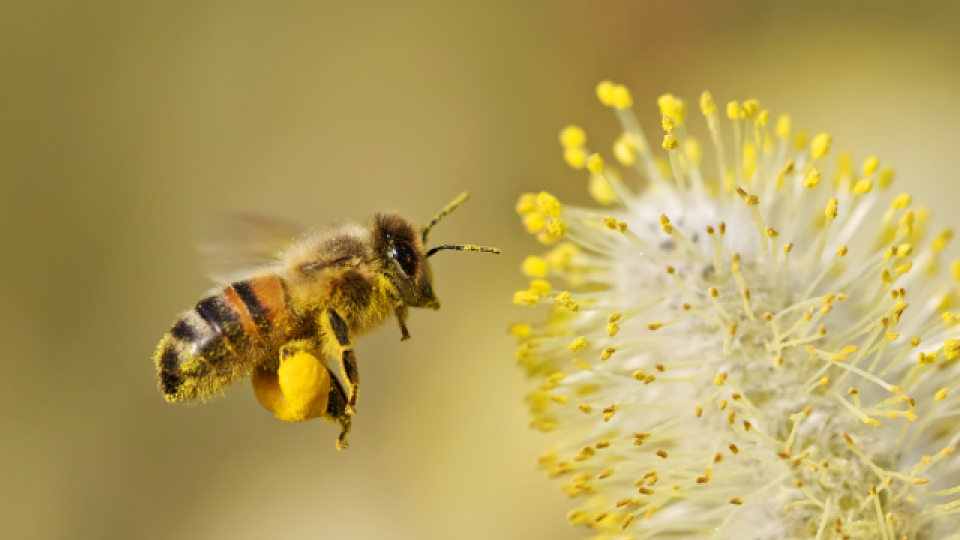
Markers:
point(336, 411)
point(402, 311)
point(335, 325)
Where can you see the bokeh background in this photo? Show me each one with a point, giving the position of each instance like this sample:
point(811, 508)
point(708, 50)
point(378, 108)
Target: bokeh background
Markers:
point(127, 126)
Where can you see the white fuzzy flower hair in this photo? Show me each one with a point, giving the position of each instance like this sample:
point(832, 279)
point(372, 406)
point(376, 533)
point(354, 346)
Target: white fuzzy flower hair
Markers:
point(765, 355)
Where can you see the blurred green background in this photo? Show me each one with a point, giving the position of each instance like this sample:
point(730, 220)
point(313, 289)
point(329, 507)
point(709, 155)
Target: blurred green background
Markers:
point(126, 126)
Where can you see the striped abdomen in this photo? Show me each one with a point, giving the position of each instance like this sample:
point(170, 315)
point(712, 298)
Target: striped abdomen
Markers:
point(222, 338)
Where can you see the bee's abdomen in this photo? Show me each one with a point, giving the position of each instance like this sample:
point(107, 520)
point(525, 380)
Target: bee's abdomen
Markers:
point(221, 338)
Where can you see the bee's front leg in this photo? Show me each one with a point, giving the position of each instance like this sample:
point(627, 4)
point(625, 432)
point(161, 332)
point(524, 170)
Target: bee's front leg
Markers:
point(334, 325)
point(401, 311)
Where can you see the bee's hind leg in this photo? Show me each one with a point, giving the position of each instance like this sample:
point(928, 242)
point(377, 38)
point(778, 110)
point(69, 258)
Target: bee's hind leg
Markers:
point(337, 411)
point(334, 325)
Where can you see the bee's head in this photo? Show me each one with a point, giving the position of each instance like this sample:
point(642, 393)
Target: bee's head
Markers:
point(405, 248)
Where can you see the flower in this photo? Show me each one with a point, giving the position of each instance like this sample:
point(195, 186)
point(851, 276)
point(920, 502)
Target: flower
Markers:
point(766, 355)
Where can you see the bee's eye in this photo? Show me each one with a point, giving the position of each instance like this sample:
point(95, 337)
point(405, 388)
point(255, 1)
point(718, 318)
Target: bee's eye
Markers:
point(404, 254)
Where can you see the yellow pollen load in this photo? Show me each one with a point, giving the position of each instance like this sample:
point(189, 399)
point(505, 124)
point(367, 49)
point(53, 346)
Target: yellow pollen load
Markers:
point(670, 142)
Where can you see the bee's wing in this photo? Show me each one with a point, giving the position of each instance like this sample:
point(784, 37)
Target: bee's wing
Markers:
point(242, 243)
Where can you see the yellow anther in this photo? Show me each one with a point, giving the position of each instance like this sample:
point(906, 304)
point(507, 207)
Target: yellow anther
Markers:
point(941, 395)
point(526, 298)
point(540, 286)
point(672, 107)
point(562, 400)
point(578, 344)
point(607, 352)
point(533, 222)
point(870, 165)
point(901, 201)
point(750, 107)
point(621, 97)
point(886, 177)
point(548, 204)
point(520, 330)
point(707, 106)
point(612, 329)
point(575, 157)
point(735, 501)
point(849, 350)
point(842, 251)
point(534, 266)
point(667, 124)
point(942, 240)
point(820, 145)
point(904, 250)
point(665, 224)
point(903, 269)
point(595, 164)
point(771, 233)
point(605, 91)
point(862, 187)
point(951, 349)
point(694, 152)
point(719, 379)
point(624, 151)
point(800, 141)
point(783, 127)
point(831, 210)
point(572, 136)
point(734, 111)
point(763, 117)
point(812, 179)
point(655, 326)
point(557, 227)
point(609, 222)
point(527, 203)
point(670, 142)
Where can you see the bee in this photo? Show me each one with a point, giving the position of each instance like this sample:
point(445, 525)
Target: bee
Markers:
point(290, 323)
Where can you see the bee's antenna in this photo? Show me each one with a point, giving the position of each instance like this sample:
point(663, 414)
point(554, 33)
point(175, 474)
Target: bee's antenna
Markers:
point(443, 213)
point(482, 249)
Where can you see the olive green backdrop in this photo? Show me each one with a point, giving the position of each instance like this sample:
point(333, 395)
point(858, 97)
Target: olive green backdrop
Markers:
point(126, 126)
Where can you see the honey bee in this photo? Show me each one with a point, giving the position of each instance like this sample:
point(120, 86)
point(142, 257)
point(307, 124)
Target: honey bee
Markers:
point(283, 322)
